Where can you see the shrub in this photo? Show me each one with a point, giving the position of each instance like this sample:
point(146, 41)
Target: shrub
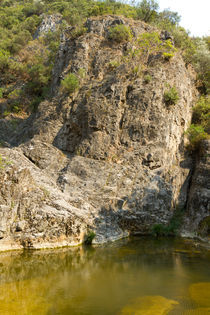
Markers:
point(200, 129)
point(196, 134)
point(147, 78)
point(2, 92)
point(167, 56)
point(89, 237)
point(159, 230)
point(172, 227)
point(15, 109)
point(120, 33)
point(147, 10)
point(70, 83)
point(78, 31)
point(150, 44)
point(113, 64)
point(171, 96)
point(3, 162)
point(35, 103)
point(201, 113)
point(4, 59)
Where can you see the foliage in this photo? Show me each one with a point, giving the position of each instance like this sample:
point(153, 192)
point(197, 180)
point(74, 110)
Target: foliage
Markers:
point(167, 56)
point(120, 33)
point(70, 83)
point(4, 59)
point(1, 92)
point(113, 64)
point(30, 62)
point(89, 237)
point(148, 44)
point(147, 78)
point(201, 113)
point(173, 226)
point(200, 128)
point(196, 134)
point(147, 10)
point(78, 31)
point(201, 62)
point(169, 17)
point(171, 96)
point(3, 162)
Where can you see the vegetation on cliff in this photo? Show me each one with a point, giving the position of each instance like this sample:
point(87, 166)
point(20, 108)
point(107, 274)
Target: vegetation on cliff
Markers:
point(27, 59)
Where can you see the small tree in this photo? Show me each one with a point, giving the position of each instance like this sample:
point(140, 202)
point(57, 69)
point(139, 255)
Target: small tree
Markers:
point(196, 134)
point(120, 33)
point(170, 16)
point(171, 96)
point(70, 83)
point(147, 10)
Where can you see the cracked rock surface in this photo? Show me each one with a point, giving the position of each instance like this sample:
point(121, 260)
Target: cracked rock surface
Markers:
point(108, 158)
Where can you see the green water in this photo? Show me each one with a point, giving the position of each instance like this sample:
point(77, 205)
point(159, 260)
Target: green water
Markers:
point(137, 276)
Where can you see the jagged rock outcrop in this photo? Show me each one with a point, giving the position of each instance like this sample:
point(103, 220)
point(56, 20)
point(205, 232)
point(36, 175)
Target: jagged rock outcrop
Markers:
point(110, 157)
point(50, 23)
point(198, 209)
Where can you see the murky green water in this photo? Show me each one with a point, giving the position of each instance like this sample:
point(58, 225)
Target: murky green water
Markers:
point(138, 276)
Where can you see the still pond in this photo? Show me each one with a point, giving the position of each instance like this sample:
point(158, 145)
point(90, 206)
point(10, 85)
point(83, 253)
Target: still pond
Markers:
point(133, 276)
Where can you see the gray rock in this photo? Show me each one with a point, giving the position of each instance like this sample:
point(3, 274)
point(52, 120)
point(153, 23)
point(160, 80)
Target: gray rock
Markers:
point(198, 207)
point(49, 23)
point(108, 158)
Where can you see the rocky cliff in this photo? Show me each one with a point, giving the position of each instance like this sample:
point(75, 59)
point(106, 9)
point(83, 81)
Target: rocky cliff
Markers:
point(109, 157)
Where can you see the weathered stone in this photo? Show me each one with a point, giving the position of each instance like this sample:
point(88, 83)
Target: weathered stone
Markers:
point(198, 208)
point(49, 23)
point(108, 158)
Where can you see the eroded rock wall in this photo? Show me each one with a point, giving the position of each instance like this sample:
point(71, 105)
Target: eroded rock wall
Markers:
point(197, 219)
point(109, 157)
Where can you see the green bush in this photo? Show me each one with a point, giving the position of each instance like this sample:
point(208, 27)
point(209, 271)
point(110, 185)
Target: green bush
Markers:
point(159, 230)
point(172, 228)
point(113, 64)
point(196, 134)
point(200, 128)
point(120, 33)
point(78, 31)
point(70, 83)
point(171, 96)
point(89, 237)
point(2, 92)
point(4, 59)
point(147, 78)
point(147, 10)
point(3, 162)
point(201, 113)
point(167, 56)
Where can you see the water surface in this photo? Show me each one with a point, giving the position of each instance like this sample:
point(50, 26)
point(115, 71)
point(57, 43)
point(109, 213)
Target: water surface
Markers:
point(137, 276)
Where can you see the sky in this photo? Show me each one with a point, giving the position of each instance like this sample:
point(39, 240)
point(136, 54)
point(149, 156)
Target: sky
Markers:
point(195, 14)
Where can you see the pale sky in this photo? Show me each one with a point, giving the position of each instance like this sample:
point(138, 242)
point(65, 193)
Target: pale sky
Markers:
point(195, 14)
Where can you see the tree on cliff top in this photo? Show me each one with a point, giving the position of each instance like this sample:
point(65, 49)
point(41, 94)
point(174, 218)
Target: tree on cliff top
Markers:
point(147, 10)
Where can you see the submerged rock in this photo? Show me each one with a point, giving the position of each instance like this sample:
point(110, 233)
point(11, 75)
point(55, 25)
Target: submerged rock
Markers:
point(149, 305)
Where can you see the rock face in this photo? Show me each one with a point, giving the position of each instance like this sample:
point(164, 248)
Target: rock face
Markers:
point(110, 157)
point(198, 210)
point(49, 23)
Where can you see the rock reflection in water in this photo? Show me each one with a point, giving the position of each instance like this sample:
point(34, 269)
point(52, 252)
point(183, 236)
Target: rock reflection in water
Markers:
point(103, 280)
